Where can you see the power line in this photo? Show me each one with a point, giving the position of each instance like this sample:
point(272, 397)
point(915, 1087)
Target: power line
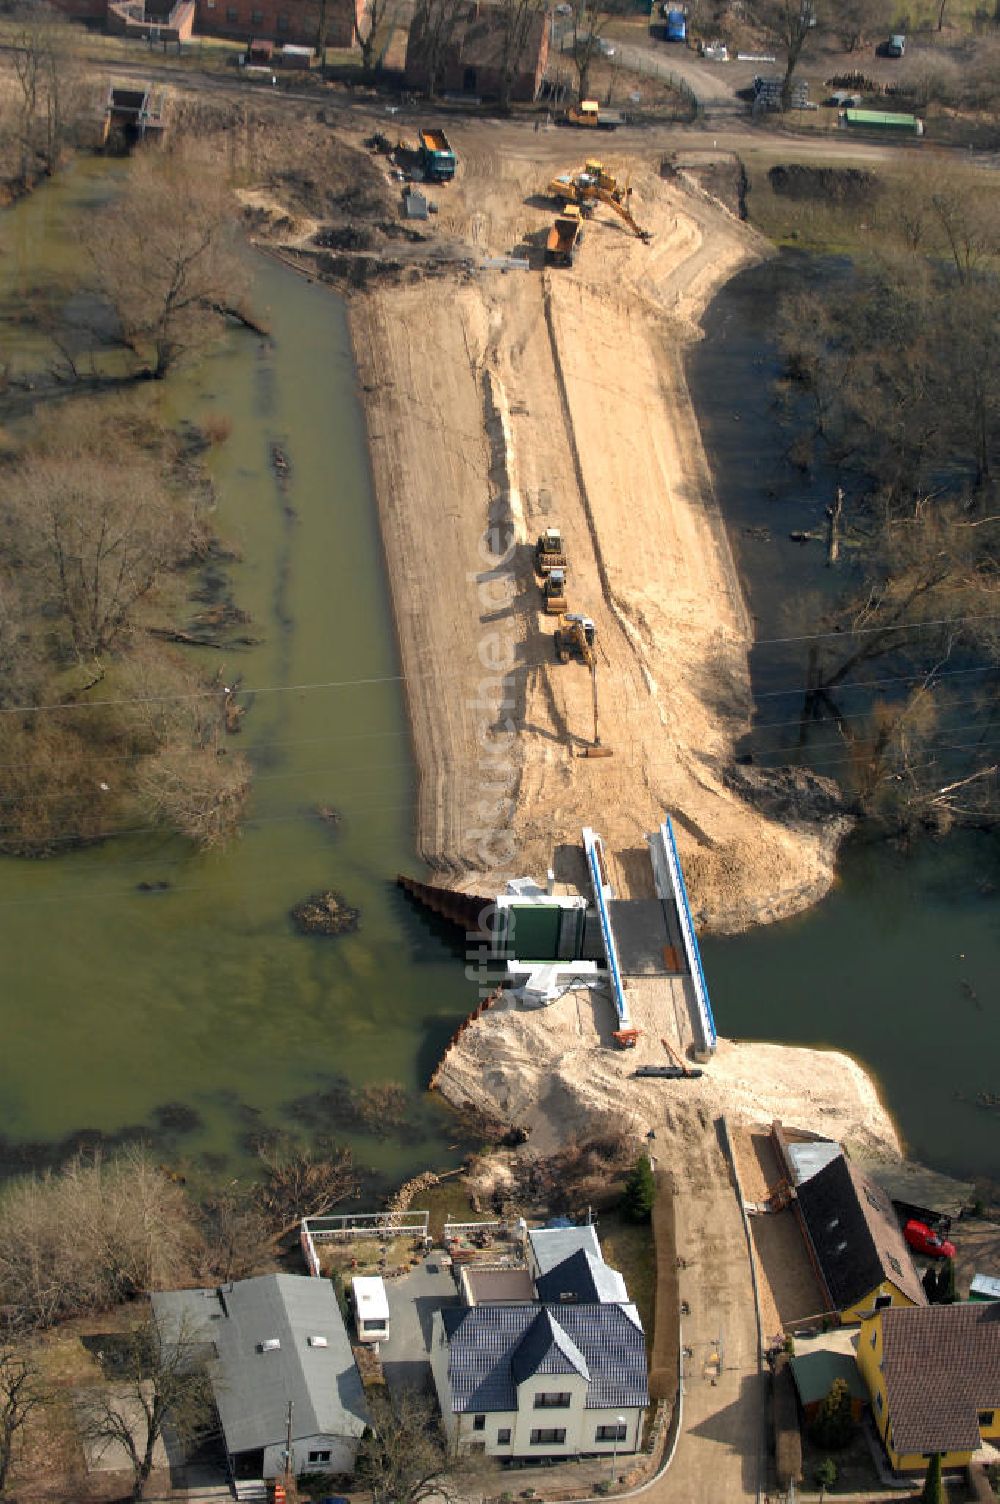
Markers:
point(379, 679)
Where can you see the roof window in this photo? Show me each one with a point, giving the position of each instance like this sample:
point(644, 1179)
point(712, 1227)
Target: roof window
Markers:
point(317, 1341)
point(269, 1345)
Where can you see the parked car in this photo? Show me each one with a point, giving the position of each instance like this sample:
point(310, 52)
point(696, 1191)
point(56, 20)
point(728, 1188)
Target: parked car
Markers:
point(895, 46)
point(923, 1239)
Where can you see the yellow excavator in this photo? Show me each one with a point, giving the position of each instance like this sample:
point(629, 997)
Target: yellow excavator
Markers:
point(595, 186)
point(577, 636)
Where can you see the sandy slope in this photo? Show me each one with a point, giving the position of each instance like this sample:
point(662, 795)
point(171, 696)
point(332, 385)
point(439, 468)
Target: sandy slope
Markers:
point(557, 396)
point(554, 1070)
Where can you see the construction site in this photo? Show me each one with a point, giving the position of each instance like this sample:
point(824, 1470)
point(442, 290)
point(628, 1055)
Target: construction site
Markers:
point(552, 396)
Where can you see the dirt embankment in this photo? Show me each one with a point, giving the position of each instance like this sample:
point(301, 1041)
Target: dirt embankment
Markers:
point(502, 402)
point(554, 1070)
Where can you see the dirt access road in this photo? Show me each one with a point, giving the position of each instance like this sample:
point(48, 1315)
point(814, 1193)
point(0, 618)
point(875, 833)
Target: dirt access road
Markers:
point(499, 403)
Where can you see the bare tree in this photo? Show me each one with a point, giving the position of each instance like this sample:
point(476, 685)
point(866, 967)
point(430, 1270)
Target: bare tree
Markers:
point(373, 25)
point(405, 1458)
point(21, 1394)
point(519, 21)
point(590, 17)
point(434, 24)
point(40, 59)
point(303, 1182)
point(789, 24)
point(165, 259)
point(239, 1239)
point(856, 20)
point(156, 1381)
point(95, 537)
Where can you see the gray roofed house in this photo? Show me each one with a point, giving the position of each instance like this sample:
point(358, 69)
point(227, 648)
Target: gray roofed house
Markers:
point(549, 1246)
point(581, 1278)
point(271, 1340)
point(541, 1380)
point(546, 1348)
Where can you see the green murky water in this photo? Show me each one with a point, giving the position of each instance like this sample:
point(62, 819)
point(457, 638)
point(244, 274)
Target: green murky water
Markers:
point(901, 964)
point(116, 1003)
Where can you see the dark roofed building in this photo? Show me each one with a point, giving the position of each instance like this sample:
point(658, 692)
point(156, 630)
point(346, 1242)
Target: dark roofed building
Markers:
point(857, 1244)
point(933, 1374)
point(541, 1380)
point(471, 60)
point(582, 1279)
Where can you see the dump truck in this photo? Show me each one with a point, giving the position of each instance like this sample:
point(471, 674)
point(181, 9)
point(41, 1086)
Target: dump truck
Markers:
point(565, 237)
point(554, 592)
point(677, 26)
point(437, 157)
point(590, 115)
point(549, 551)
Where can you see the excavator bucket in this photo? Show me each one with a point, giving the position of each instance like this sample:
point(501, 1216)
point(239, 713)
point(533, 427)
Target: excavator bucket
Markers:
point(598, 752)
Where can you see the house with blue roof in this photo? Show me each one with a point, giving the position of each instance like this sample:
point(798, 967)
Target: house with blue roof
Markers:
point(563, 1375)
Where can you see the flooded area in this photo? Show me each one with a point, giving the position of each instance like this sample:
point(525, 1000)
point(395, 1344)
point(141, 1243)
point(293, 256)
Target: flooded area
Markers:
point(193, 1009)
point(151, 991)
point(899, 964)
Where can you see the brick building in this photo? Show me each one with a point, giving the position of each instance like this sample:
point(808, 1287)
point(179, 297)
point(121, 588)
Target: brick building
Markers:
point(294, 21)
point(472, 58)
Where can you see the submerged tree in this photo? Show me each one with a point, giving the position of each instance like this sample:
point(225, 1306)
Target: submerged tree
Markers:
point(166, 260)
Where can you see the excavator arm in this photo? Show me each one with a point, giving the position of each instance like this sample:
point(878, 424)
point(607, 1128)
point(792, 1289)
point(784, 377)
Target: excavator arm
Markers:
point(622, 209)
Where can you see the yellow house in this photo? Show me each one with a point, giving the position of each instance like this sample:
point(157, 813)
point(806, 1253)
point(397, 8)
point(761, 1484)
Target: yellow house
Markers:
point(855, 1243)
point(933, 1373)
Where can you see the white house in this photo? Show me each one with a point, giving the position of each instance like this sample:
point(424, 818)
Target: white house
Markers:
point(538, 1380)
point(269, 1342)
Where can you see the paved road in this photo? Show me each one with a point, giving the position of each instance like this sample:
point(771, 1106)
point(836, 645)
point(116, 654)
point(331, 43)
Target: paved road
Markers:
point(719, 1454)
point(413, 1299)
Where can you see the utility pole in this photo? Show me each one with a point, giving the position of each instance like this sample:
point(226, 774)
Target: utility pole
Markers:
point(288, 1446)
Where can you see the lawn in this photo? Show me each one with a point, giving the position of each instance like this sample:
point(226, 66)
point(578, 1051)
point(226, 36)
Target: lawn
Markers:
point(628, 1247)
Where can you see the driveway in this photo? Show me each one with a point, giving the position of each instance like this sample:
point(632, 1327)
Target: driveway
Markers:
point(413, 1300)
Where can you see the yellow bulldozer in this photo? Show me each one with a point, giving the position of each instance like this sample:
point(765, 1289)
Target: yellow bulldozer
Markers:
point(554, 592)
point(549, 551)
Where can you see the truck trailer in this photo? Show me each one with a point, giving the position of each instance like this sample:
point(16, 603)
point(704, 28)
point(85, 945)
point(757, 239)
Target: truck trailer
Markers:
point(882, 122)
point(437, 158)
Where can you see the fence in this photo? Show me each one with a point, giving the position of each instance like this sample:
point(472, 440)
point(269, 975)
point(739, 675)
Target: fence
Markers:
point(344, 1227)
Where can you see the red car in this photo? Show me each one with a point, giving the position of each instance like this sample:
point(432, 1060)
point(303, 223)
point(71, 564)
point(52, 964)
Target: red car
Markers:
point(922, 1240)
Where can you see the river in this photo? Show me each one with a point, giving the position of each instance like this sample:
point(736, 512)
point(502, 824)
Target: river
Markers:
point(196, 1014)
point(899, 965)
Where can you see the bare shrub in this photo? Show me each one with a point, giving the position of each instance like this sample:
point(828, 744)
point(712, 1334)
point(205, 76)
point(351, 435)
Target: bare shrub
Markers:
point(217, 427)
point(199, 791)
point(90, 1236)
point(381, 1105)
point(93, 537)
